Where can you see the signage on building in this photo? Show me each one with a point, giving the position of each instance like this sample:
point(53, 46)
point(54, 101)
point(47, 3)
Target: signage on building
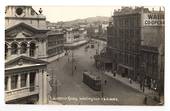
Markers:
point(153, 19)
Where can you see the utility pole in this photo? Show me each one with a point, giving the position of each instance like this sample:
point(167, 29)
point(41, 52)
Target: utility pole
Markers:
point(101, 72)
point(102, 93)
point(98, 47)
point(52, 84)
point(72, 64)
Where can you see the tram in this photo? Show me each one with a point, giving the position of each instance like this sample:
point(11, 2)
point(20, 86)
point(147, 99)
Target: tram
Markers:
point(92, 81)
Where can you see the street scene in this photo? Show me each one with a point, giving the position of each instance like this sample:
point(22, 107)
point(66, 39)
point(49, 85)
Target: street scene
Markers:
point(70, 85)
point(91, 59)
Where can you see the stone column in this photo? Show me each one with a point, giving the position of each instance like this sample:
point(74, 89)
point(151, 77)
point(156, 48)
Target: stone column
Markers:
point(36, 78)
point(45, 99)
point(44, 50)
point(19, 81)
point(43, 95)
point(28, 51)
point(9, 53)
point(9, 83)
point(36, 51)
point(28, 80)
point(40, 86)
point(19, 51)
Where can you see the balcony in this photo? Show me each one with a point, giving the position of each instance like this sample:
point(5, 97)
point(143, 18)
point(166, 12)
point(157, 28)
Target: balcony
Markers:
point(20, 93)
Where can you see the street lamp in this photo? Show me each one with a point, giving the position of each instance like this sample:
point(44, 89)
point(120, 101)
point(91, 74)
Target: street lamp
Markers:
point(72, 64)
point(53, 85)
point(102, 84)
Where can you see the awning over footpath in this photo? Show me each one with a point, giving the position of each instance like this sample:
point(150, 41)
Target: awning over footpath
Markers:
point(125, 66)
point(103, 59)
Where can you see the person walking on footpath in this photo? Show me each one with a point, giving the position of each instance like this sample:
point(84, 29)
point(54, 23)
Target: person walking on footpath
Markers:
point(145, 100)
point(143, 89)
point(75, 67)
point(105, 81)
point(68, 59)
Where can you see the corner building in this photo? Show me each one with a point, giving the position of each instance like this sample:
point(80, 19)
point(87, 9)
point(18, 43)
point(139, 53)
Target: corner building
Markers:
point(135, 41)
point(26, 55)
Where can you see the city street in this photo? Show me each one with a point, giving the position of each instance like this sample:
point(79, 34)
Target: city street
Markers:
point(70, 90)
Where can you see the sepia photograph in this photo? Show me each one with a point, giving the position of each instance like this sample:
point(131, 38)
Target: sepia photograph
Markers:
point(84, 55)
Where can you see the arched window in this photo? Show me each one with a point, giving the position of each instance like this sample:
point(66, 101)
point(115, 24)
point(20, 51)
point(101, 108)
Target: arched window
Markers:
point(23, 48)
point(32, 49)
point(6, 50)
point(14, 48)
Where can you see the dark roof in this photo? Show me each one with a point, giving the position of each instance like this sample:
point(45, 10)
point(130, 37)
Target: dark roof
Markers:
point(22, 24)
point(39, 36)
point(54, 33)
point(25, 58)
point(103, 59)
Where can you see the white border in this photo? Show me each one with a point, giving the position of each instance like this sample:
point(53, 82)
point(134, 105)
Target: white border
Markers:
point(91, 3)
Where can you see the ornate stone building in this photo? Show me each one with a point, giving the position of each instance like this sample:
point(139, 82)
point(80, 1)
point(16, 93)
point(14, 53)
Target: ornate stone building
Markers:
point(25, 44)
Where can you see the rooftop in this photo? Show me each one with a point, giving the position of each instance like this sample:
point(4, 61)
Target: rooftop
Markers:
point(131, 10)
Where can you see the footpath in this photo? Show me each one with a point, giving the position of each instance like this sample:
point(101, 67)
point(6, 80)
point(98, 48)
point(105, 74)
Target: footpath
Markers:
point(149, 93)
point(54, 103)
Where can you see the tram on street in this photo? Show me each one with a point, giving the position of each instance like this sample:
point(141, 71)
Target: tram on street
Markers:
point(92, 81)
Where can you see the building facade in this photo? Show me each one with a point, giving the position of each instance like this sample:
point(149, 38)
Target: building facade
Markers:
point(26, 33)
point(135, 38)
point(25, 49)
point(26, 81)
point(55, 45)
point(152, 49)
point(75, 37)
point(124, 42)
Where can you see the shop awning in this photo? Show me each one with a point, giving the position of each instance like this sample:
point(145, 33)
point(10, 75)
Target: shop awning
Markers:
point(103, 59)
point(125, 66)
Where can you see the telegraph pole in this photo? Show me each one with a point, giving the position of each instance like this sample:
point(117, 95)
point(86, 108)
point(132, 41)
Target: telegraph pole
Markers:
point(72, 64)
point(52, 84)
point(101, 72)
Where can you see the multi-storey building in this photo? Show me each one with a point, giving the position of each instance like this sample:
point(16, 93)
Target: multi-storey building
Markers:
point(55, 45)
point(74, 37)
point(152, 49)
point(25, 81)
point(27, 44)
point(135, 40)
point(26, 33)
point(124, 41)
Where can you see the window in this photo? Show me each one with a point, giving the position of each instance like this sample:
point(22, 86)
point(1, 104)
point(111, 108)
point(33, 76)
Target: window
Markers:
point(19, 11)
point(6, 51)
point(23, 80)
point(23, 48)
point(32, 49)
point(32, 81)
point(14, 80)
point(14, 48)
point(6, 83)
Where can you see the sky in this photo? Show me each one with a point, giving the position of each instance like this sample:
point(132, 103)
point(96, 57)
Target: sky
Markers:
point(67, 13)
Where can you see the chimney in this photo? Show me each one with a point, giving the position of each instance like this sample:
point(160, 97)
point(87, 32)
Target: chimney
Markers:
point(152, 9)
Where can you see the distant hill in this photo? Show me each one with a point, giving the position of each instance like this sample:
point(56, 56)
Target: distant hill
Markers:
point(97, 19)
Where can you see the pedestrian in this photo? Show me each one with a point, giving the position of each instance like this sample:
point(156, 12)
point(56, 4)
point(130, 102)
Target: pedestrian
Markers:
point(149, 86)
point(114, 73)
point(143, 89)
point(68, 59)
point(105, 81)
point(145, 100)
point(130, 80)
point(75, 68)
point(140, 85)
